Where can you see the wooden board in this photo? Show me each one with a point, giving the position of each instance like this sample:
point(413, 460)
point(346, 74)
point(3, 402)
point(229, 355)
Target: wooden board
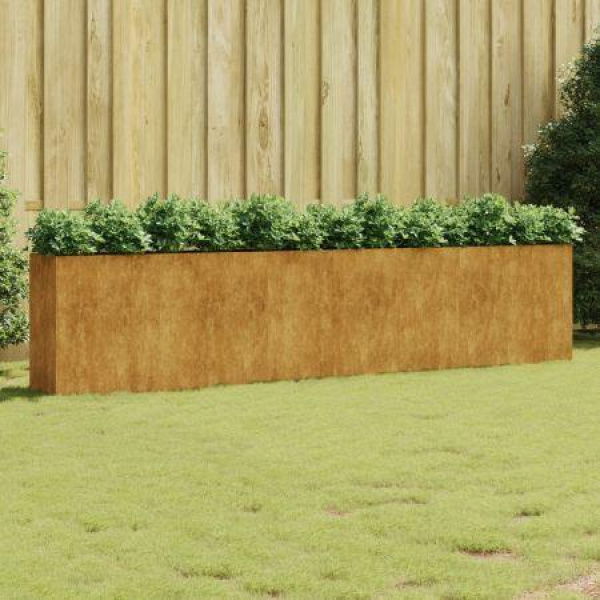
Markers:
point(139, 61)
point(99, 100)
point(402, 101)
point(187, 93)
point(64, 103)
point(506, 99)
point(367, 99)
point(338, 107)
point(474, 97)
point(538, 67)
point(569, 21)
point(189, 320)
point(441, 99)
point(302, 98)
point(592, 19)
point(225, 66)
point(264, 97)
point(21, 81)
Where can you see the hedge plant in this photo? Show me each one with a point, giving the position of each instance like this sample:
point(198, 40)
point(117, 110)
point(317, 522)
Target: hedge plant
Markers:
point(272, 223)
point(13, 271)
point(166, 222)
point(563, 169)
point(117, 230)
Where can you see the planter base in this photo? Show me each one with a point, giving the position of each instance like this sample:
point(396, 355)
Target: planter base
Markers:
point(177, 321)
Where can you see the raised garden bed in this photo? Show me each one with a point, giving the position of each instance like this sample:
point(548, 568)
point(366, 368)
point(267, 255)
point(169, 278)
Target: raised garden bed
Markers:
point(185, 320)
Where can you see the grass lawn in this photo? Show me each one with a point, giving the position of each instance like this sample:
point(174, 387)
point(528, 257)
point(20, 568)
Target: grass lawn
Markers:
point(464, 484)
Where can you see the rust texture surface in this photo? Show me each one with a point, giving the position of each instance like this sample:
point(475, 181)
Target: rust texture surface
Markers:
point(176, 321)
point(42, 323)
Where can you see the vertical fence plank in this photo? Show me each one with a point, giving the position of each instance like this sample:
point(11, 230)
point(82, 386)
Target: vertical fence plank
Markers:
point(538, 76)
point(264, 97)
point(21, 82)
point(186, 99)
point(474, 95)
point(569, 35)
point(226, 176)
point(441, 98)
point(506, 101)
point(338, 112)
point(302, 100)
point(592, 19)
point(65, 103)
point(401, 97)
point(99, 99)
point(367, 97)
point(139, 128)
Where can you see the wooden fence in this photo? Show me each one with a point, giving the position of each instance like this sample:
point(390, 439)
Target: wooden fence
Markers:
point(314, 99)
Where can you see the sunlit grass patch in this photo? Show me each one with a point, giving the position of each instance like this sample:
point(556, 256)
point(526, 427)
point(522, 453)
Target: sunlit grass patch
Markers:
point(466, 484)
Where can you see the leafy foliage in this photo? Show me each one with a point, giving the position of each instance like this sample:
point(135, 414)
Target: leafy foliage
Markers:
point(545, 224)
point(423, 225)
point(379, 221)
point(13, 272)
point(211, 227)
point(485, 221)
point(166, 222)
point(265, 223)
point(563, 169)
point(119, 231)
point(339, 227)
point(273, 223)
point(63, 233)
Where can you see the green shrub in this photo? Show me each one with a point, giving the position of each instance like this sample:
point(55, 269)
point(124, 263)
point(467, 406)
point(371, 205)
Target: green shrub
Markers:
point(13, 272)
point(63, 233)
point(379, 221)
point(563, 169)
point(166, 222)
point(422, 225)
point(264, 222)
point(119, 230)
point(211, 228)
point(339, 227)
point(484, 221)
point(307, 232)
point(272, 223)
point(544, 224)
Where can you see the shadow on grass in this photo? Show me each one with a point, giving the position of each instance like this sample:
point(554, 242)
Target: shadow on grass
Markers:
point(18, 393)
point(586, 340)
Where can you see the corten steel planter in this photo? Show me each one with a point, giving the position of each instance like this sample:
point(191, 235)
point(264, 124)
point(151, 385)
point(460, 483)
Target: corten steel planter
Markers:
point(174, 321)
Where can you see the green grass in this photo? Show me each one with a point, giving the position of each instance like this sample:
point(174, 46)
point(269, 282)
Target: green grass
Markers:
point(465, 484)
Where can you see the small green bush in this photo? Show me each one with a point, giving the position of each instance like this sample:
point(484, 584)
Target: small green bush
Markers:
point(423, 225)
point(166, 222)
point(211, 228)
point(544, 225)
point(378, 219)
point(484, 221)
point(339, 227)
point(13, 272)
point(273, 223)
point(265, 222)
point(563, 169)
point(307, 233)
point(119, 231)
point(63, 233)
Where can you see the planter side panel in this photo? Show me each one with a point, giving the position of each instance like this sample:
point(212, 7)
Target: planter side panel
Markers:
point(177, 321)
point(42, 322)
point(515, 304)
